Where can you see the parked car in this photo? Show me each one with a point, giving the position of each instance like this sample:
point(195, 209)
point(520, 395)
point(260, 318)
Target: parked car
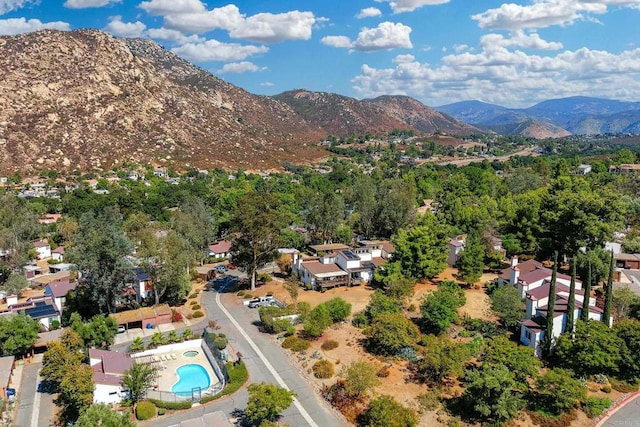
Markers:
point(262, 302)
point(231, 266)
point(121, 329)
point(221, 268)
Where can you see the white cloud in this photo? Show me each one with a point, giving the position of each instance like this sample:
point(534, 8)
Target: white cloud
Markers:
point(13, 26)
point(125, 29)
point(369, 12)
point(546, 13)
point(337, 41)
point(84, 4)
point(226, 17)
point(267, 84)
point(506, 77)
point(213, 50)
point(402, 59)
point(386, 35)
point(173, 36)
point(400, 6)
point(9, 5)
point(460, 47)
point(240, 67)
point(520, 39)
point(166, 7)
point(274, 28)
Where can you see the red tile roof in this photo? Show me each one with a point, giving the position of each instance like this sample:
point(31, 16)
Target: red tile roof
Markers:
point(220, 247)
point(524, 267)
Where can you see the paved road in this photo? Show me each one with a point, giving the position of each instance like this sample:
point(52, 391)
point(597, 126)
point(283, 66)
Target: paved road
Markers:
point(626, 416)
point(466, 161)
point(35, 406)
point(258, 371)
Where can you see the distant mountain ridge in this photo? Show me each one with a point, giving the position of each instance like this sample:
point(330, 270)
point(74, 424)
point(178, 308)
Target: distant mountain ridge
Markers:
point(576, 115)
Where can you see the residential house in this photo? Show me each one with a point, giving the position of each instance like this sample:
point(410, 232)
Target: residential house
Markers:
point(534, 325)
point(62, 267)
point(141, 286)
point(626, 169)
point(109, 368)
point(584, 169)
point(220, 249)
point(58, 291)
point(456, 246)
point(529, 275)
point(58, 253)
point(41, 309)
point(322, 275)
point(50, 219)
point(319, 250)
point(627, 261)
point(43, 249)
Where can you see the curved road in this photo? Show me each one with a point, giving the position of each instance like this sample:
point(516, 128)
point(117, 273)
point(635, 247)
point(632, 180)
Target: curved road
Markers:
point(626, 416)
point(265, 361)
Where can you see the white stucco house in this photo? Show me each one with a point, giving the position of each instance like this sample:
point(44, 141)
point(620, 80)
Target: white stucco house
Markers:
point(109, 368)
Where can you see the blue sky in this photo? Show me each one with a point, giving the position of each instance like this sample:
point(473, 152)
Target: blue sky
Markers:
point(438, 51)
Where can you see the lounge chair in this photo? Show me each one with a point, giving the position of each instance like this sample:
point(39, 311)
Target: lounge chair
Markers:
point(173, 356)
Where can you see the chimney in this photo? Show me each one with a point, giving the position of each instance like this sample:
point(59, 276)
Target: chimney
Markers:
point(515, 275)
point(514, 261)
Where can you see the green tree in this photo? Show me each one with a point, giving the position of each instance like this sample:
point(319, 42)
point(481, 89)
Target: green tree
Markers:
point(258, 224)
point(18, 333)
point(365, 203)
point(76, 393)
point(571, 305)
point(507, 304)
point(421, 251)
point(99, 332)
point(440, 308)
point(594, 349)
point(440, 358)
point(62, 357)
point(548, 340)
point(359, 378)
point(628, 330)
point(608, 295)
point(471, 261)
point(584, 314)
point(195, 223)
point(16, 284)
point(489, 393)
point(517, 358)
point(389, 332)
point(381, 303)
point(100, 252)
point(317, 321)
point(266, 402)
point(385, 411)
point(324, 213)
point(101, 415)
point(18, 227)
point(623, 300)
point(395, 208)
point(557, 391)
point(339, 309)
point(138, 379)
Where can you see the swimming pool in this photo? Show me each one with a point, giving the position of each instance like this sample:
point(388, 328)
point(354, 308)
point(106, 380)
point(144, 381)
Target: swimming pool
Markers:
point(189, 377)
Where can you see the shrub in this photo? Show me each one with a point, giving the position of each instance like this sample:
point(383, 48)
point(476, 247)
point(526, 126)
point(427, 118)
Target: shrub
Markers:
point(595, 406)
point(136, 345)
point(606, 389)
point(240, 293)
point(600, 379)
point(323, 369)
point(194, 302)
point(198, 314)
point(248, 296)
point(221, 342)
point(622, 386)
point(170, 405)
point(295, 344)
point(264, 277)
point(162, 411)
point(176, 316)
point(269, 294)
point(145, 410)
point(384, 372)
point(192, 296)
point(55, 324)
point(196, 307)
point(338, 308)
point(360, 320)
point(329, 345)
point(429, 401)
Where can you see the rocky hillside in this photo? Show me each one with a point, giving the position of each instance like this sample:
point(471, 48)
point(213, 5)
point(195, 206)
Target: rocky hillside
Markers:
point(85, 99)
point(342, 116)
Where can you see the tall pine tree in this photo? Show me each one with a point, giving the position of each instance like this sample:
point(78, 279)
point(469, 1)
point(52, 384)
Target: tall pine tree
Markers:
point(584, 316)
point(551, 307)
point(608, 295)
point(571, 306)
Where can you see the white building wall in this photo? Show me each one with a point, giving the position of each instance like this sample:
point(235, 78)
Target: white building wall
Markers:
point(108, 394)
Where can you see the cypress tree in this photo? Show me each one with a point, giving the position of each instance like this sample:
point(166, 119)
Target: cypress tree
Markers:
point(571, 306)
point(584, 316)
point(608, 295)
point(551, 307)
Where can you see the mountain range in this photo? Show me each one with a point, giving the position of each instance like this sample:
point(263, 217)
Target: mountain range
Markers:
point(576, 115)
point(84, 100)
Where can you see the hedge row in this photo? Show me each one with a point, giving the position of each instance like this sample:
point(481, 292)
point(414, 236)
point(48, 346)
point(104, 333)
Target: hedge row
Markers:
point(170, 405)
point(238, 375)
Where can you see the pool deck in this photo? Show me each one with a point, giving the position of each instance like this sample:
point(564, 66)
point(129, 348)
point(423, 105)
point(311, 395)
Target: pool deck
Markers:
point(168, 366)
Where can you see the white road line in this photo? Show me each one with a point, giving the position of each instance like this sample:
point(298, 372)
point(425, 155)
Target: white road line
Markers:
point(269, 366)
point(35, 412)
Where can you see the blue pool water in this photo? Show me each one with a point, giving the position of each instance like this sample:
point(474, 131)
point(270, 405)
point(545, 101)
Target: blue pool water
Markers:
point(190, 377)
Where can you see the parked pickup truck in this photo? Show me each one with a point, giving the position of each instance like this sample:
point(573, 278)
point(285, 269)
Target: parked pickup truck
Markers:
point(261, 302)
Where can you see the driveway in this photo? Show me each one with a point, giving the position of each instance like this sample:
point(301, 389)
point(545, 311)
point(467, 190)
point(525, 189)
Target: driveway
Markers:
point(35, 405)
point(265, 361)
